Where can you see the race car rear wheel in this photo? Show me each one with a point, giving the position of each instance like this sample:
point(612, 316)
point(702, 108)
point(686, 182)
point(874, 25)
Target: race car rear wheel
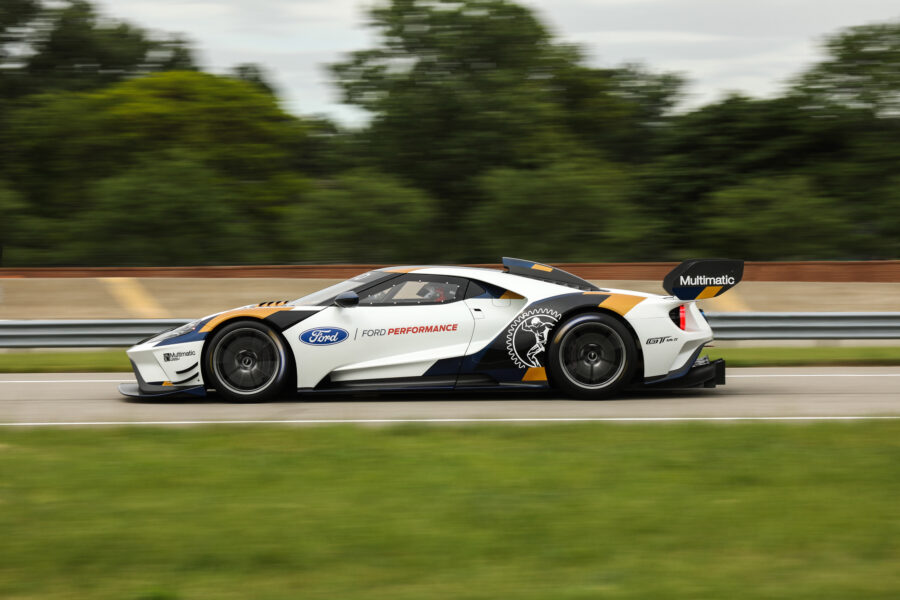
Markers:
point(591, 356)
point(247, 361)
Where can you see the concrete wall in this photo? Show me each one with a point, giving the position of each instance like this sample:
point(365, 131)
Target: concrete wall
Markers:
point(161, 297)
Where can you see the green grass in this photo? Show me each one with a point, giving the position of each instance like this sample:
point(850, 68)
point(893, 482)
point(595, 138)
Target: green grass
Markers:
point(810, 355)
point(90, 361)
point(115, 360)
point(559, 512)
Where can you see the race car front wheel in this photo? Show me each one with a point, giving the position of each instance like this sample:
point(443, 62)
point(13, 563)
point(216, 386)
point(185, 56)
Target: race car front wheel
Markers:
point(247, 361)
point(591, 356)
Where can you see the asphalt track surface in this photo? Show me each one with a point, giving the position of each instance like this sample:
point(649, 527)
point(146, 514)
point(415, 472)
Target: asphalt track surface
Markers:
point(825, 393)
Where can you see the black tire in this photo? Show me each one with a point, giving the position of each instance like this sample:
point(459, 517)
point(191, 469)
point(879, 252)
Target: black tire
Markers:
point(592, 356)
point(247, 361)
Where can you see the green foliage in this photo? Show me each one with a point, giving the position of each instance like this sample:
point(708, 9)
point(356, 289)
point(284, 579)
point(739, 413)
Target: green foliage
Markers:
point(617, 111)
point(69, 47)
point(362, 216)
point(59, 149)
point(166, 209)
point(773, 218)
point(10, 225)
point(238, 127)
point(573, 211)
point(254, 74)
point(455, 88)
point(487, 137)
point(860, 73)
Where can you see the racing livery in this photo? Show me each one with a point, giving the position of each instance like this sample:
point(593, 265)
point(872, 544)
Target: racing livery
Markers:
point(529, 325)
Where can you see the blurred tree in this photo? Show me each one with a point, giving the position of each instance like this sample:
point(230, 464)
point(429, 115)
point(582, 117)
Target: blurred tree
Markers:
point(576, 210)
point(254, 74)
point(11, 226)
point(886, 228)
point(855, 94)
point(68, 46)
point(15, 15)
point(487, 137)
point(63, 139)
point(364, 216)
point(58, 147)
point(619, 112)
point(456, 88)
point(167, 209)
point(779, 218)
point(723, 144)
point(861, 72)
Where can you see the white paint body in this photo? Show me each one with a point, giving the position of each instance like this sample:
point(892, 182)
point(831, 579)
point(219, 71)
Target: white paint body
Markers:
point(476, 322)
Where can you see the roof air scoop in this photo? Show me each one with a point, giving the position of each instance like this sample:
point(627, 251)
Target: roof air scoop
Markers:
point(535, 270)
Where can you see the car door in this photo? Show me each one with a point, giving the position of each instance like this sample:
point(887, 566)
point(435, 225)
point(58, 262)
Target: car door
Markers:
point(493, 309)
point(401, 329)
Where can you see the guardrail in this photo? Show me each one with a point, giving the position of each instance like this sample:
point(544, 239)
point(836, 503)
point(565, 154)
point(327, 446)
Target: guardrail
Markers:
point(805, 326)
point(81, 334)
point(727, 326)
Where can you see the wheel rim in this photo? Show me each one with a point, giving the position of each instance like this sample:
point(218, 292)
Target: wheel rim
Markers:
point(246, 361)
point(593, 355)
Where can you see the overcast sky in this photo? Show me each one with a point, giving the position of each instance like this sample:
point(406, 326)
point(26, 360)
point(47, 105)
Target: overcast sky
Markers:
point(751, 46)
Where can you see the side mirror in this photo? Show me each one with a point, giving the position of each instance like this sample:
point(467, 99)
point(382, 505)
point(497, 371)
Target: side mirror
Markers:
point(346, 299)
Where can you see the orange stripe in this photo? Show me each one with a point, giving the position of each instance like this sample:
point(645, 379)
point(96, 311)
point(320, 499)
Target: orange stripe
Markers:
point(709, 292)
point(507, 295)
point(535, 374)
point(621, 303)
point(259, 313)
point(541, 267)
point(401, 269)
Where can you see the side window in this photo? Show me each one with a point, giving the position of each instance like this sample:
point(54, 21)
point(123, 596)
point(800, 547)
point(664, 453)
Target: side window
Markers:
point(412, 289)
point(475, 290)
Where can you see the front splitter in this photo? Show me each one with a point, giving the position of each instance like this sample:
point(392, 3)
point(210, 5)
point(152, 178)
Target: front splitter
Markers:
point(133, 390)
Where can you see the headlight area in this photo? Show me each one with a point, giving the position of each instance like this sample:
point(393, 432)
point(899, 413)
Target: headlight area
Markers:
point(173, 333)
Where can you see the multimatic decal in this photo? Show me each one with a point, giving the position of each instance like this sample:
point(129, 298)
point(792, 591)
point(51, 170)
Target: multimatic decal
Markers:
point(527, 337)
point(176, 356)
point(706, 280)
point(324, 336)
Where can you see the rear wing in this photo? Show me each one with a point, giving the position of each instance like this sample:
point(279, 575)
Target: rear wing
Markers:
point(703, 278)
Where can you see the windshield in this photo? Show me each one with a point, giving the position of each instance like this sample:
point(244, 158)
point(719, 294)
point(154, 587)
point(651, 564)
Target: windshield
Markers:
point(326, 295)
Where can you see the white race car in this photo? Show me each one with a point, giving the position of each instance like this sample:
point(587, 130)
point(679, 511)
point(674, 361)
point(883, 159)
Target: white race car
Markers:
point(438, 328)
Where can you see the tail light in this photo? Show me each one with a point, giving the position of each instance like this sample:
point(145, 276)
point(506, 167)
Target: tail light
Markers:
point(679, 316)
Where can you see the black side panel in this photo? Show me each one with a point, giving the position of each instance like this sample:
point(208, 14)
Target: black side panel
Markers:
point(393, 383)
point(288, 318)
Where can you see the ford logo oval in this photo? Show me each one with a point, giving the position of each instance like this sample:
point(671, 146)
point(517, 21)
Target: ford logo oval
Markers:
point(323, 336)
